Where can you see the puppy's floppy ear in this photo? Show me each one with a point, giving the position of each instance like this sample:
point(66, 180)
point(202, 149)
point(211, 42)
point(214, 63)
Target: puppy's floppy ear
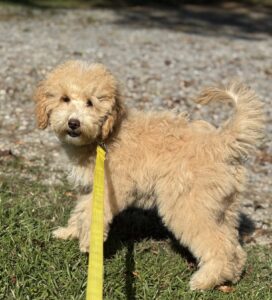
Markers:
point(44, 104)
point(114, 117)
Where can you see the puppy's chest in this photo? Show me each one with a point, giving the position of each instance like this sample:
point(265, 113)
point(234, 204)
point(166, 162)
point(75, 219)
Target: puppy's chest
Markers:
point(82, 176)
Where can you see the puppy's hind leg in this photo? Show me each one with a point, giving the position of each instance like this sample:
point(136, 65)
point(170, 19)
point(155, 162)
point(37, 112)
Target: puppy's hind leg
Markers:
point(215, 245)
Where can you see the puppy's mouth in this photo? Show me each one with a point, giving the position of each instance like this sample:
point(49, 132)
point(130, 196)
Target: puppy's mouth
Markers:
point(73, 133)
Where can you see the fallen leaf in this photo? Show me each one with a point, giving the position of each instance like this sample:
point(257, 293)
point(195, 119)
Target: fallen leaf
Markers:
point(257, 205)
point(249, 270)
point(70, 194)
point(249, 239)
point(19, 142)
point(156, 252)
point(136, 274)
point(261, 232)
point(13, 279)
point(188, 83)
point(268, 71)
point(264, 157)
point(226, 289)
point(6, 153)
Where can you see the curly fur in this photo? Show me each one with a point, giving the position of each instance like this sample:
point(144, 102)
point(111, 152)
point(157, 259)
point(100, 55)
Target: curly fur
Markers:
point(191, 172)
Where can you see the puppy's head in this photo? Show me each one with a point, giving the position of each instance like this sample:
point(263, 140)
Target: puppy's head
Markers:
point(80, 101)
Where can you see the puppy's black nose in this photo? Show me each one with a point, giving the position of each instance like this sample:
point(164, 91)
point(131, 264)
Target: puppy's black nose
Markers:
point(73, 124)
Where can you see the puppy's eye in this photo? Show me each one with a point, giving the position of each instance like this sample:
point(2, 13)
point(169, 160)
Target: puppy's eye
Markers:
point(89, 103)
point(49, 95)
point(65, 99)
point(102, 97)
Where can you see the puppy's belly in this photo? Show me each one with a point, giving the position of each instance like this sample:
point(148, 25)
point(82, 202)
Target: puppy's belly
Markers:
point(143, 199)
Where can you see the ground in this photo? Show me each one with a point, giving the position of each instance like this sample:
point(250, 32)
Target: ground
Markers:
point(163, 58)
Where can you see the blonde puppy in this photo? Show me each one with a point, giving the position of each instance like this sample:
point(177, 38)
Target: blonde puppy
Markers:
point(191, 172)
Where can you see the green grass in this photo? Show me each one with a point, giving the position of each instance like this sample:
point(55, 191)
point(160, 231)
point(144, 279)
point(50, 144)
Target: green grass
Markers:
point(141, 261)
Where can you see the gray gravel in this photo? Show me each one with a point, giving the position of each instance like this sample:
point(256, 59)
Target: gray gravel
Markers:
point(163, 58)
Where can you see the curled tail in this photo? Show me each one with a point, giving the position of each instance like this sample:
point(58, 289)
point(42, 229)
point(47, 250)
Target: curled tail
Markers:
point(245, 129)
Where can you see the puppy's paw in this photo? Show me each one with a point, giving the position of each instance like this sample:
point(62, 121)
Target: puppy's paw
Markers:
point(64, 233)
point(84, 247)
point(201, 281)
point(84, 244)
point(197, 285)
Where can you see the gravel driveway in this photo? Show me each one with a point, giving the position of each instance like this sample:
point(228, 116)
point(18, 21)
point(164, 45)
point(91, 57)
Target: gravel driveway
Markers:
point(162, 57)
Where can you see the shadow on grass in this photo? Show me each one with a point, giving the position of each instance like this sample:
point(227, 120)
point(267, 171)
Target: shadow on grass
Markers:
point(130, 268)
point(134, 225)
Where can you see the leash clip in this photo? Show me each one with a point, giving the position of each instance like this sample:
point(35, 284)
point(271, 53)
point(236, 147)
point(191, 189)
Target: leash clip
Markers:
point(103, 146)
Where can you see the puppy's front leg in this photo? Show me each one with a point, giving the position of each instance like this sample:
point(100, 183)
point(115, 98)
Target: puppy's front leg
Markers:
point(85, 222)
point(79, 223)
point(72, 230)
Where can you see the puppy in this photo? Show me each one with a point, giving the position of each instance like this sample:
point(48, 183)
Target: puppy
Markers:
point(191, 172)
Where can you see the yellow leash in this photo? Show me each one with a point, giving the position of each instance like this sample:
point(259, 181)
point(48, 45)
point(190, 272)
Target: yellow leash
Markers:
point(95, 267)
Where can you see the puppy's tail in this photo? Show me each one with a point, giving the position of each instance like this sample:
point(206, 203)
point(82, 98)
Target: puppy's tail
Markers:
point(242, 132)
